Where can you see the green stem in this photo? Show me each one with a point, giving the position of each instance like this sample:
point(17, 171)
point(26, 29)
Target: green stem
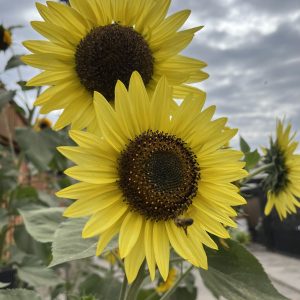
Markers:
point(176, 284)
point(119, 260)
point(151, 296)
point(257, 171)
point(134, 288)
point(123, 288)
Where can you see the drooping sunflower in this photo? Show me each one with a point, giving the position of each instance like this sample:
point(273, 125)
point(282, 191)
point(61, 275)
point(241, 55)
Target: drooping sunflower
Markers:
point(154, 179)
point(5, 38)
point(166, 285)
point(41, 124)
point(93, 43)
point(282, 182)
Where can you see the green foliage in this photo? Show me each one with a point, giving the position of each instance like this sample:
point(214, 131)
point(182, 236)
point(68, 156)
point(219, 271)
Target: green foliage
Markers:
point(29, 246)
point(19, 294)
point(13, 62)
point(37, 275)
point(39, 147)
point(3, 218)
point(4, 284)
point(250, 157)
point(244, 145)
point(102, 288)
point(42, 223)
point(236, 274)
point(68, 244)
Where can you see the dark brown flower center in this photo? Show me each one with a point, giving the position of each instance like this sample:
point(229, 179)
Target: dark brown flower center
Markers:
point(159, 175)
point(111, 53)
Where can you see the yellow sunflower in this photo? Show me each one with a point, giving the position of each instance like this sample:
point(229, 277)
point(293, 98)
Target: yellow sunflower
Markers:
point(155, 180)
point(41, 124)
point(166, 285)
point(282, 182)
point(93, 43)
point(5, 38)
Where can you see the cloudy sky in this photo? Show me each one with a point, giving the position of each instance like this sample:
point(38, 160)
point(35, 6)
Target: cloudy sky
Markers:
point(252, 48)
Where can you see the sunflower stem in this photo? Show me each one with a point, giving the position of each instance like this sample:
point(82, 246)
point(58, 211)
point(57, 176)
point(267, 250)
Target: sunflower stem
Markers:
point(257, 171)
point(176, 284)
point(135, 286)
point(123, 288)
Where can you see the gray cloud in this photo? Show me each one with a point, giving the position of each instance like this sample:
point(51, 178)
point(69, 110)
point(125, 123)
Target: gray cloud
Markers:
point(251, 47)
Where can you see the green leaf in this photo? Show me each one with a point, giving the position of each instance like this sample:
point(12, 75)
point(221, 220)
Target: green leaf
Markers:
point(48, 199)
point(251, 159)
point(18, 294)
point(144, 294)
point(3, 218)
point(68, 244)
point(103, 288)
point(236, 274)
point(37, 276)
point(184, 293)
point(244, 145)
point(4, 284)
point(28, 245)
point(14, 62)
point(39, 147)
point(5, 97)
point(23, 196)
point(41, 224)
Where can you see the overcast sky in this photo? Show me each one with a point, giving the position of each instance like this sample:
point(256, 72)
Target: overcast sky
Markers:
point(252, 48)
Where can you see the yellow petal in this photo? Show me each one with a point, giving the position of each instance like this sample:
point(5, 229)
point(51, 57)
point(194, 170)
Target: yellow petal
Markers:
point(91, 205)
point(134, 260)
point(129, 233)
point(161, 248)
point(149, 251)
point(98, 175)
point(104, 219)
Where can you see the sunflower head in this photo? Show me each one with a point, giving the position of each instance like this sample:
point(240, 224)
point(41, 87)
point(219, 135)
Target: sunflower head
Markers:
point(42, 124)
point(154, 179)
point(281, 175)
point(5, 38)
point(93, 44)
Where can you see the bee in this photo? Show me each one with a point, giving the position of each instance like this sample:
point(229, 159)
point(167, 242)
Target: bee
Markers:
point(183, 223)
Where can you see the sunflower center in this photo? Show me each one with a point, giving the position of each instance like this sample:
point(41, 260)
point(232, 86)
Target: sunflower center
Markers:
point(277, 178)
point(159, 175)
point(111, 53)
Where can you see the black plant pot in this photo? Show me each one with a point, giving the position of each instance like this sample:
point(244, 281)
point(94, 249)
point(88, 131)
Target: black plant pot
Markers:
point(8, 275)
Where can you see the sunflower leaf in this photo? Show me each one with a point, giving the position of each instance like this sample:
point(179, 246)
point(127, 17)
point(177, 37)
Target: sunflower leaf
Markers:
point(68, 244)
point(4, 284)
point(244, 145)
point(251, 159)
point(17, 294)
point(42, 223)
point(236, 274)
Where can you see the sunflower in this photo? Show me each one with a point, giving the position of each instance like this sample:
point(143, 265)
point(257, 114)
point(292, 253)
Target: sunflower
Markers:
point(41, 124)
point(94, 43)
point(154, 179)
point(166, 285)
point(5, 38)
point(282, 182)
